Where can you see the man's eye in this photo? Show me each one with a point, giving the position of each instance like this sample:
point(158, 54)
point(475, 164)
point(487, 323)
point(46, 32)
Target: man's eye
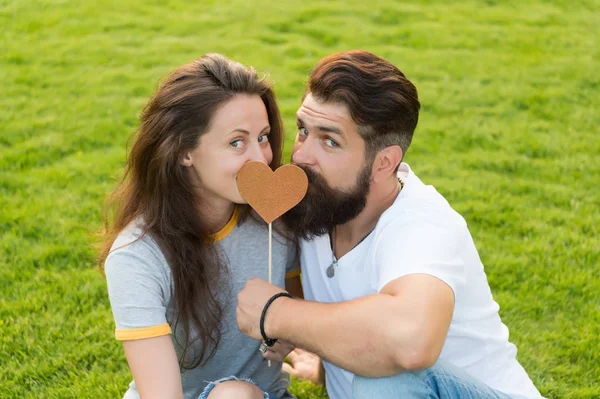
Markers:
point(302, 131)
point(331, 143)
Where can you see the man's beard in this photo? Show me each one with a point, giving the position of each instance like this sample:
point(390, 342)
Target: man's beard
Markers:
point(324, 207)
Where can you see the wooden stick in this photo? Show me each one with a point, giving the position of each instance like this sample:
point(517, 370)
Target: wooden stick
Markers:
point(270, 260)
point(270, 251)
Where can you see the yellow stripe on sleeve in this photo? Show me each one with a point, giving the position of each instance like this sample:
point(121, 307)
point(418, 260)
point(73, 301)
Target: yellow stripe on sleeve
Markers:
point(142, 333)
point(293, 274)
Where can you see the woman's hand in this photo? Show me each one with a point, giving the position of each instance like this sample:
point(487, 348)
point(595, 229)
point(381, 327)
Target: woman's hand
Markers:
point(305, 366)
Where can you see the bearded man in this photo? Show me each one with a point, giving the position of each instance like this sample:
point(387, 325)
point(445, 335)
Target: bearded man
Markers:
point(397, 302)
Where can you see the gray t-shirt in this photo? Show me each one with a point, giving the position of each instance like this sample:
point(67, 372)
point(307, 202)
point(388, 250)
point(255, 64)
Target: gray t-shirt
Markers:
point(140, 289)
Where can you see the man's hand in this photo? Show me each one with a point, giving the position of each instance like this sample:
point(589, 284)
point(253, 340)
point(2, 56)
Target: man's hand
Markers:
point(279, 351)
point(251, 301)
point(305, 366)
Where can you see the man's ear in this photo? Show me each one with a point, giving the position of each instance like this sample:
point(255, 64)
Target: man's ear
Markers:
point(185, 159)
point(386, 162)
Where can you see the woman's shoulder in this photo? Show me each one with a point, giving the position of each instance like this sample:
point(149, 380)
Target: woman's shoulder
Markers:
point(134, 237)
point(134, 248)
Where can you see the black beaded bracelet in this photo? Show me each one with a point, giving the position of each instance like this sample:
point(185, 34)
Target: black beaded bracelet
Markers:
point(270, 342)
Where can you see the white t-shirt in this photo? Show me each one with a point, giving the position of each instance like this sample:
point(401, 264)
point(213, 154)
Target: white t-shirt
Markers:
point(421, 234)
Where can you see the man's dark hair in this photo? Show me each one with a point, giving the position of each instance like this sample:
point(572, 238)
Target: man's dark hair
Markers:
point(381, 100)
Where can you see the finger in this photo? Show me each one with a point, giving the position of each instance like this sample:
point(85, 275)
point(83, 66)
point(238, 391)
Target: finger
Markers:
point(294, 355)
point(273, 356)
point(283, 347)
point(289, 369)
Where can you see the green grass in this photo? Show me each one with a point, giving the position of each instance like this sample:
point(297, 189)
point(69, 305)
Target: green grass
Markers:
point(508, 133)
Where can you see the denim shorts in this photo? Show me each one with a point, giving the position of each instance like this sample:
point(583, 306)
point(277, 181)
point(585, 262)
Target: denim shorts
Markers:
point(213, 384)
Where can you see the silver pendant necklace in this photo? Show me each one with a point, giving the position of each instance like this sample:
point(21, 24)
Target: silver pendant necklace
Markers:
point(331, 269)
point(333, 265)
point(334, 262)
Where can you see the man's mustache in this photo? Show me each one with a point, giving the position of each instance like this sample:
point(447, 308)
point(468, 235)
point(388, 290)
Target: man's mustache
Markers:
point(310, 174)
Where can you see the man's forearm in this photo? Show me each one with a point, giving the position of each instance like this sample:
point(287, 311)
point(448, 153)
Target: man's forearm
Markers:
point(404, 327)
point(369, 336)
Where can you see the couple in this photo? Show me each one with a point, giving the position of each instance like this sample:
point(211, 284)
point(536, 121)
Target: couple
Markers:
point(397, 301)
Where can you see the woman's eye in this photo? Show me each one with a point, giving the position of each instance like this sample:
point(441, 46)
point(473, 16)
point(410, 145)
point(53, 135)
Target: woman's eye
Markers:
point(331, 143)
point(264, 138)
point(302, 131)
point(236, 143)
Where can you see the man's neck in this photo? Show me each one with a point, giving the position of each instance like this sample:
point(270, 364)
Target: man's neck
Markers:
point(380, 198)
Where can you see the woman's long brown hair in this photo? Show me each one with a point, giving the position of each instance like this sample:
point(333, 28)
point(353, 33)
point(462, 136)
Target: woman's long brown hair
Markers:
point(156, 189)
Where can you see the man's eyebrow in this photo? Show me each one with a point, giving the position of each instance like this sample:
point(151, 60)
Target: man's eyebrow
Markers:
point(328, 129)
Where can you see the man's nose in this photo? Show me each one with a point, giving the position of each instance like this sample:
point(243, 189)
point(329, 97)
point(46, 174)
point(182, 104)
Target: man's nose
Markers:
point(303, 153)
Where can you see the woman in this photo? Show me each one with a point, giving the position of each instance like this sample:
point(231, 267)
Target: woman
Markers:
point(183, 242)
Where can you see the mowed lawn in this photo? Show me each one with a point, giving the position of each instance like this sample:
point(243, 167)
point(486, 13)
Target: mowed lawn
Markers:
point(509, 133)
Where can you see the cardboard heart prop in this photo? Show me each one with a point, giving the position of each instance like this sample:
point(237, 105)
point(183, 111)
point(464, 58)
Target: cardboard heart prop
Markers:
point(271, 194)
